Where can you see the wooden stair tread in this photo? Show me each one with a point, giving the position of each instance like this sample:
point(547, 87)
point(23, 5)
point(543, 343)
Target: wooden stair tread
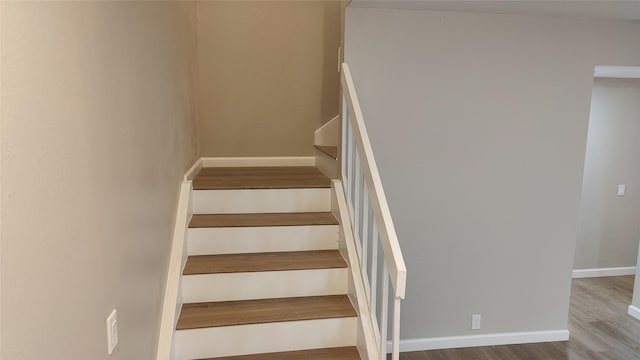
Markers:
point(253, 220)
point(340, 353)
point(270, 261)
point(284, 177)
point(329, 150)
point(244, 312)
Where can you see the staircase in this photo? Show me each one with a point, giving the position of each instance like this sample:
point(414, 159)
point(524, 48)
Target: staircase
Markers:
point(280, 262)
point(264, 278)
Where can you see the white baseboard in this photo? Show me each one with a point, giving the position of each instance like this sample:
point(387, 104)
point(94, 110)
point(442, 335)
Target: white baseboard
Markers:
point(193, 170)
point(172, 302)
point(258, 161)
point(634, 311)
point(603, 272)
point(452, 342)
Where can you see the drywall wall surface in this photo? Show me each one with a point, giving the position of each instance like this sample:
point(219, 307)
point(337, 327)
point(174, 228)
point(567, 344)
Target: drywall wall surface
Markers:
point(479, 126)
point(267, 75)
point(636, 287)
point(609, 225)
point(97, 131)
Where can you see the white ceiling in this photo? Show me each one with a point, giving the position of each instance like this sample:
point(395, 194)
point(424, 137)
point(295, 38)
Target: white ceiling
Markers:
point(603, 9)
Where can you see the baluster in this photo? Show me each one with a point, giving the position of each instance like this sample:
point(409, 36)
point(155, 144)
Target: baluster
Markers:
point(365, 230)
point(357, 198)
point(345, 135)
point(352, 158)
point(384, 311)
point(395, 352)
point(373, 280)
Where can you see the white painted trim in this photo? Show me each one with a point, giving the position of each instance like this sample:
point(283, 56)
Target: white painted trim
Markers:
point(603, 272)
point(624, 72)
point(173, 294)
point(380, 207)
point(193, 170)
point(263, 285)
point(327, 164)
point(328, 133)
point(249, 339)
point(362, 305)
point(205, 241)
point(634, 311)
point(452, 342)
point(261, 201)
point(258, 161)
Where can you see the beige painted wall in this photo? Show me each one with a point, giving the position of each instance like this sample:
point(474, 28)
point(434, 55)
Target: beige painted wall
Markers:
point(267, 75)
point(479, 126)
point(97, 130)
point(609, 225)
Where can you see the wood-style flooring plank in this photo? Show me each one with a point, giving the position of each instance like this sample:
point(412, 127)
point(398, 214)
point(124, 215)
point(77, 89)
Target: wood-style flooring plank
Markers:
point(273, 261)
point(287, 177)
point(341, 353)
point(252, 220)
point(227, 313)
point(598, 322)
point(329, 150)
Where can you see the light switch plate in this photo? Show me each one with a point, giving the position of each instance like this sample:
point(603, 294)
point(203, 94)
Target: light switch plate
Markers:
point(621, 189)
point(112, 331)
point(475, 322)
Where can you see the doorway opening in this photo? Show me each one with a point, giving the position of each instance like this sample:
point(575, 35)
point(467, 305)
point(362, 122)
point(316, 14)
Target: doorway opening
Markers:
point(608, 224)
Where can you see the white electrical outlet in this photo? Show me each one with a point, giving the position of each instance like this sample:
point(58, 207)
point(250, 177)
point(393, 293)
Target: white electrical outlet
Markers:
point(112, 331)
point(475, 322)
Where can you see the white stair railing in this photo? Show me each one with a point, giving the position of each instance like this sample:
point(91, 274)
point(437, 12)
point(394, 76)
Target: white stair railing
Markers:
point(371, 222)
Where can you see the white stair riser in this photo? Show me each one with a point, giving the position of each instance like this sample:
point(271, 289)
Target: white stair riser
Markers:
point(263, 285)
point(264, 338)
point(261, 201)
point(235, 240)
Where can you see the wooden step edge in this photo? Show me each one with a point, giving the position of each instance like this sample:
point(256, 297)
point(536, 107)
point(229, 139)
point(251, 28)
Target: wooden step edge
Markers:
point(339, 353)
point(262, 220)
point(331, 151)
point(264, 311)
point(260, 178)
point(264, 261)
point(200, 185)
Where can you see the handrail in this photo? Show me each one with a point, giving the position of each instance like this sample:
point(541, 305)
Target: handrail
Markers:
point(371, 220)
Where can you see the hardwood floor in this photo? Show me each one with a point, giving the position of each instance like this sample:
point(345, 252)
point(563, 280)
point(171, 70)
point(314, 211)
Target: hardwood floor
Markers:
point(342, 353)
point(270, 261)
point(257, 220)
point(287, 177)
point(225, 313)
point(598, 321)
